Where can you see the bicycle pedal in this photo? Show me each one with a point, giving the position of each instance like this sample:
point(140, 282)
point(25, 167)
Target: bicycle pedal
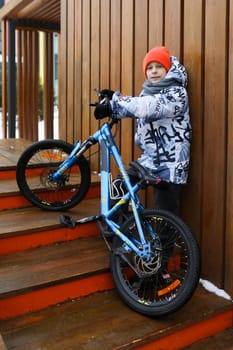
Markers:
point(67, 221)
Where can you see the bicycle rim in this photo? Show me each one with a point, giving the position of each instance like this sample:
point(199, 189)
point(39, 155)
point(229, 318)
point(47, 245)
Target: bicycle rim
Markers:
point(145, 286)
point(33, 172)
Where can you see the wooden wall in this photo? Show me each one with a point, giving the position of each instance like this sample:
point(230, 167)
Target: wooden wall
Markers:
point(102, 44)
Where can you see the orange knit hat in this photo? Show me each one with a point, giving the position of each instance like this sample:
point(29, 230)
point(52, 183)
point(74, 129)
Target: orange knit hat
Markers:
point(158, 54)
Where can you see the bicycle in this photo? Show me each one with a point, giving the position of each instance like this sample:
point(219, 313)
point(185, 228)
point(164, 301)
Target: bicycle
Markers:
point(145, 246)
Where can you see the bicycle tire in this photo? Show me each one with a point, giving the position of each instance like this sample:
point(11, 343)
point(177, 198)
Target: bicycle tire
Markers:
point(140, 284)
point(32, 175)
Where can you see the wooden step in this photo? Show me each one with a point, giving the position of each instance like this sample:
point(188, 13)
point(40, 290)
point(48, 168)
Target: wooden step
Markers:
point(102, 321)
point(36, 278)
point(12, 198)
point(222, 340)
point(31, 227)
point(10, 151)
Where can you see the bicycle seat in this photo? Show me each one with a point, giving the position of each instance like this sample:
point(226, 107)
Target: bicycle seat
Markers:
point(144, 175)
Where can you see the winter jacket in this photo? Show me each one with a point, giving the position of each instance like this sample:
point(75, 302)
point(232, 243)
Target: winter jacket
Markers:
point(163, 130)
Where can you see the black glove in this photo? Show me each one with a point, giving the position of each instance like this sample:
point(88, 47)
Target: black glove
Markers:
point(102, 111)
point(106, 93)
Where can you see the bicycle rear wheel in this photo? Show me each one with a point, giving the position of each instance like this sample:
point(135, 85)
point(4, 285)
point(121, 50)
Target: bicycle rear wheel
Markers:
point(165, 283)
point(35, 165)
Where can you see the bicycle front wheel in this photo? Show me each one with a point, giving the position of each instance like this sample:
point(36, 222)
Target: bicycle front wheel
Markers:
point(166, 282)
point(40, 160)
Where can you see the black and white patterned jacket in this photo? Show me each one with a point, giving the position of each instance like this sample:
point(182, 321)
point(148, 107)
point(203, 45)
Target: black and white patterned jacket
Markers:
point(163, 129)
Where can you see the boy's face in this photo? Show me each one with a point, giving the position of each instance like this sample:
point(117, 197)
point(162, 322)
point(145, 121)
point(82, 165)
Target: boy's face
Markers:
point(155, 72)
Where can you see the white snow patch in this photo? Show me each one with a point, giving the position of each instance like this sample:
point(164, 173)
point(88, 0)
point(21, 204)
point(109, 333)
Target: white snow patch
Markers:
point(213, 289)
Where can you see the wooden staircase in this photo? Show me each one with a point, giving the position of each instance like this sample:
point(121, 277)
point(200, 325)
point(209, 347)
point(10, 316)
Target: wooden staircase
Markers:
point(54, 296)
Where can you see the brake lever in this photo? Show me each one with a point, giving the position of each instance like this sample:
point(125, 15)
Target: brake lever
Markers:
point(98, 93)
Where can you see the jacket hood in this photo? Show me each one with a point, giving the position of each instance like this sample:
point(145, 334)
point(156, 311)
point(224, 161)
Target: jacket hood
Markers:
point(177, 72)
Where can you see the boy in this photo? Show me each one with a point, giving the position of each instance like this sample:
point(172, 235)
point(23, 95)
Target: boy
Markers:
point(163, 130)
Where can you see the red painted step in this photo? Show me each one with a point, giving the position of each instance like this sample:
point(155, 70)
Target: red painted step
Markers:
point(44, 276)
point(31, 227)
point(12, 198)
point(102, 321)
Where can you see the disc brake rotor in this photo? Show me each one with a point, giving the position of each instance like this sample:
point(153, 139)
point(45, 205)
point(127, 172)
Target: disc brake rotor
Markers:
point(46, 181)
point(150, 267)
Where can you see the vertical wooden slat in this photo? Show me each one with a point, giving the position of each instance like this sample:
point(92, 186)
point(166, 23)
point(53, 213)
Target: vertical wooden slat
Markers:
point(214, 166)
point(173, 25)
point(78, 71)
point(96, 41)
point(48, 94)
point(19, 81)
point(156, 23)
point(26, 85)
point(115, 59)
point(70, 70)
point(4, 79)
point(115, 49)
point(30, 68)
point(21, 85)
point(140, 49)
point(155, 38)
point(104, 46)
point(105, 43)
point(62, 99)
point(192, 59)
point(86, 69)
point(127, 69)
point(35, 83)
point(30, 91)
point(228, 265)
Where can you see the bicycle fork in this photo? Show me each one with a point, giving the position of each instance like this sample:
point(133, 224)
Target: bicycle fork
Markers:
point(78, 150)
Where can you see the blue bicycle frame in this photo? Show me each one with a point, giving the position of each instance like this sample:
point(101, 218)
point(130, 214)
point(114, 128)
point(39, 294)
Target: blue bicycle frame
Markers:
point(109, 149)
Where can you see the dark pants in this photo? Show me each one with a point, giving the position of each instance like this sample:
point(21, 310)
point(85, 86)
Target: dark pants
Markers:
point(168, 198)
